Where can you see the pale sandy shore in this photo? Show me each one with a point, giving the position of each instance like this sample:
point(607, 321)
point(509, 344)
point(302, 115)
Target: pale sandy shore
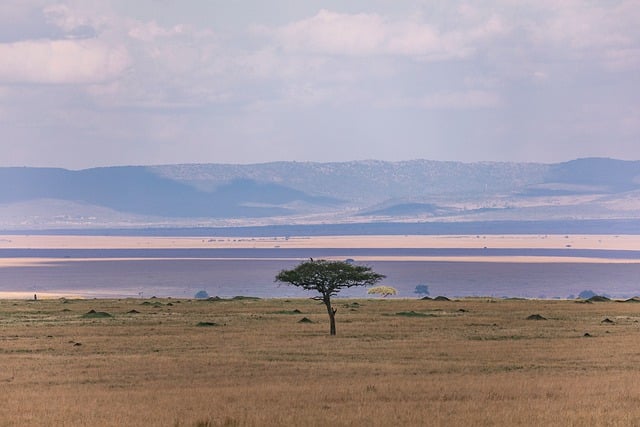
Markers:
point(603, 242)
point(610, 242)
point(47, 262)
point(41, 295)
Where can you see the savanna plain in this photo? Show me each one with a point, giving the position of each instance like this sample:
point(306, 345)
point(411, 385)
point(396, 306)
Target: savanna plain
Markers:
point(250, 362)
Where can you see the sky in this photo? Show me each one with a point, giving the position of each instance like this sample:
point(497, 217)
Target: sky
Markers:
point(86, 83)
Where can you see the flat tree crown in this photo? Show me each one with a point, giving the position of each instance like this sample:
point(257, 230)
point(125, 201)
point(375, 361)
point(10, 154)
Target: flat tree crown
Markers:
point(328, 277)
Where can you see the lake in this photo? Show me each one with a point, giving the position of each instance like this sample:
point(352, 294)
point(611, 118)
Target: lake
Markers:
point(229, 272)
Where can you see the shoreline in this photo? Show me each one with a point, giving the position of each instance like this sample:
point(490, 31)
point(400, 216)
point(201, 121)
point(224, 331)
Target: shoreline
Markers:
point(52, 262)
point(505, 271)
point(543, 242)
point(520, 241)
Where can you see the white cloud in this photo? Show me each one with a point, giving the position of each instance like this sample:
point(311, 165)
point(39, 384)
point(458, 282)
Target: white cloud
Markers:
point(150, 31)
point(19, 10)
point(65, 18)
point(172, 67)
point(581, 25)
point(607, 32)
point(471, 99)
point(539, 76)
point(335, 33)
point(61, 61)
point(179, 76)
point(453, 100)
point(622, 59)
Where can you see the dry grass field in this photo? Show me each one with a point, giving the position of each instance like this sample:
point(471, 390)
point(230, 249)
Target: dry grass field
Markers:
point(243, 362)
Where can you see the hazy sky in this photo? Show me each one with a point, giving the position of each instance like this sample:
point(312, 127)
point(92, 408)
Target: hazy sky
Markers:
point(104, 82)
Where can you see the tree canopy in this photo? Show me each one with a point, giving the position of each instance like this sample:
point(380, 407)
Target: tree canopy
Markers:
point(385, 291)
point(422, 289)
point(328, 278)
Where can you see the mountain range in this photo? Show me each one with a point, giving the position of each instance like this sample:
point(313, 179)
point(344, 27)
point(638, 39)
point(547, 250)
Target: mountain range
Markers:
point(317, 193)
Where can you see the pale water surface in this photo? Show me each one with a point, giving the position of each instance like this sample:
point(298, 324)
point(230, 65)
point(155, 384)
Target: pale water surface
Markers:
point(250, 272)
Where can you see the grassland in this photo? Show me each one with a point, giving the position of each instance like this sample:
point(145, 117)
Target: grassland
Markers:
point(245, 362)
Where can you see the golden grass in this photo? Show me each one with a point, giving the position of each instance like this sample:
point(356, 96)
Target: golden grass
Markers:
point(257, 366)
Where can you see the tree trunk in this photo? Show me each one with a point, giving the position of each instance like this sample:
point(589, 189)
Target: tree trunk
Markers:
point(332, 315)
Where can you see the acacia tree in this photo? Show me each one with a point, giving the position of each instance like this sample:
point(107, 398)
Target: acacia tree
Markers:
point(328, 278)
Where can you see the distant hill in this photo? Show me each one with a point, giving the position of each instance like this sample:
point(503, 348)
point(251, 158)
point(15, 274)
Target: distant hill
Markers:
point(407, 210)
point(306, 193)
point(370, 182)
point(139, 190)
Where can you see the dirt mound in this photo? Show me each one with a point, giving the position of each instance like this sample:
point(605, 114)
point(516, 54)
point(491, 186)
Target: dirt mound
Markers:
point(133, 311)
point(305, 320)
point(92, 314)
point(426, 298)
point(441, 298)
point(536, 317)
point(294, 311)
point(155, 303)
point(607, 320)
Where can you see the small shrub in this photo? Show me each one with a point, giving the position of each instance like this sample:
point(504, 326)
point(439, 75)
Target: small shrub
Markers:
point(586, 294)
point(421, 290)
point(201, 295)
point(205, 324)
point(154, 304)
point(385, 291)
point(598, 298)
point(413, 314)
